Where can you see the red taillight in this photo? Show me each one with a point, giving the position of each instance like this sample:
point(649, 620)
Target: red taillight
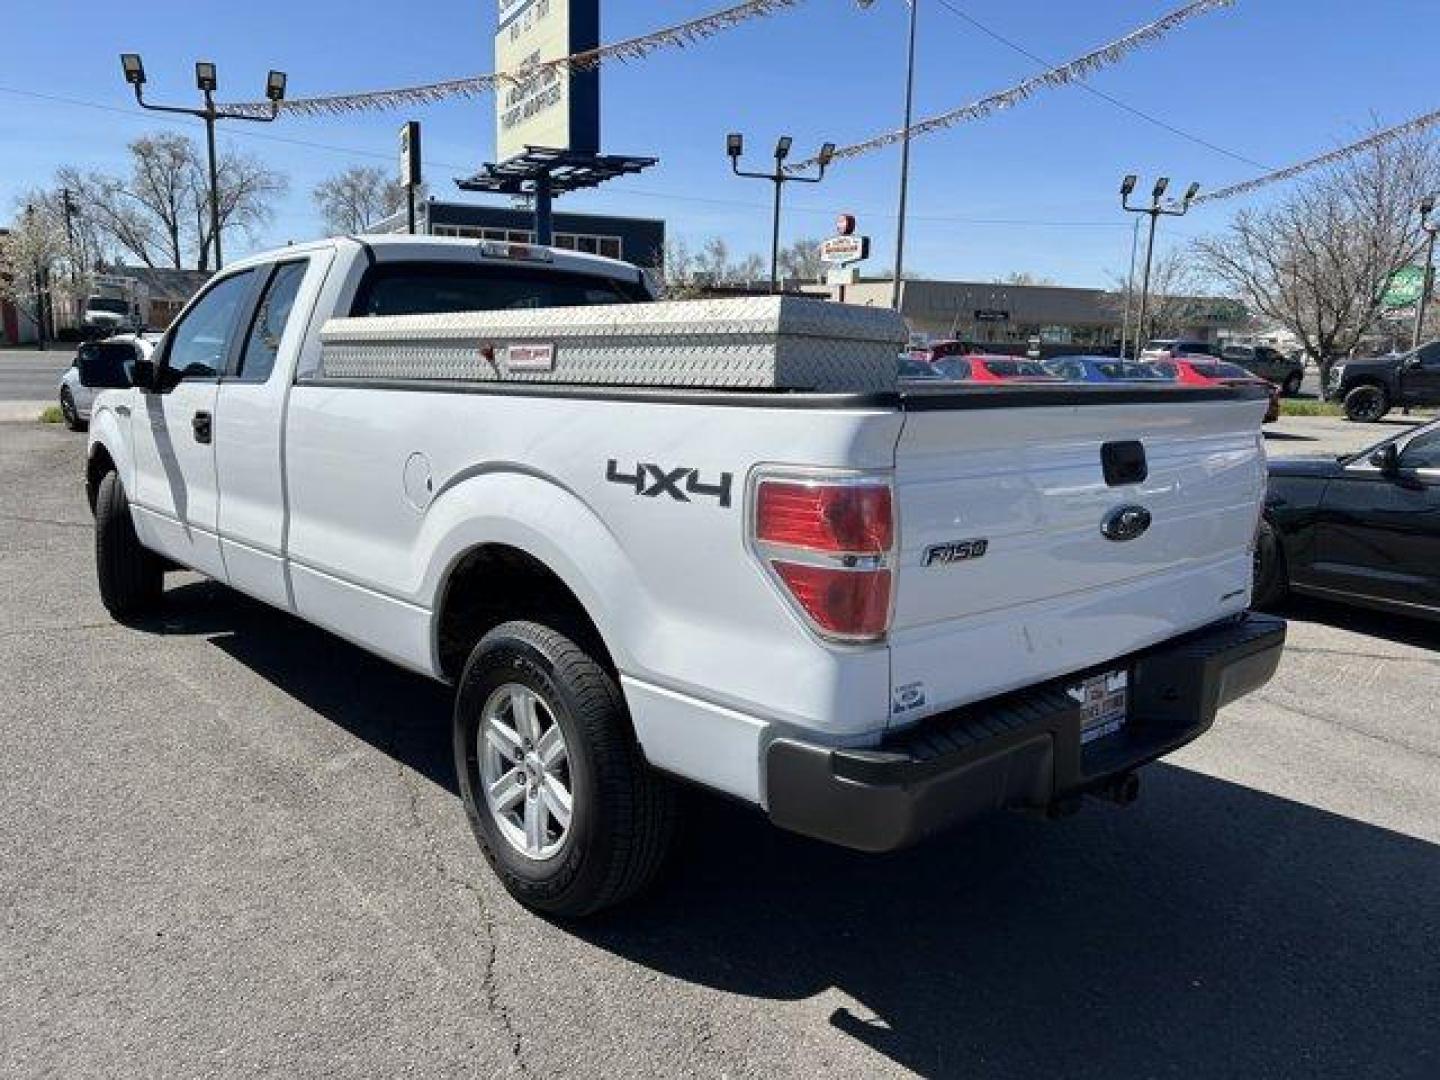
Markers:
point(840, 517)
point(828, 543)
point(843, 603)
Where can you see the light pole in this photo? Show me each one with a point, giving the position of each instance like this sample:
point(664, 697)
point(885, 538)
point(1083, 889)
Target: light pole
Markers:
point(205, 80)
point(1427, 206)
point(1129, 291)
point(1156, 212)
point(735, 148)
point(895, 286)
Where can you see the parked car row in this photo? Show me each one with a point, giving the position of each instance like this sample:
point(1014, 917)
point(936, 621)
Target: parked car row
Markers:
point(940, 362)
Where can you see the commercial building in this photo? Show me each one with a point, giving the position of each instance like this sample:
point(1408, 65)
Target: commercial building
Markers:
point(636, 240)
point(1015, 317)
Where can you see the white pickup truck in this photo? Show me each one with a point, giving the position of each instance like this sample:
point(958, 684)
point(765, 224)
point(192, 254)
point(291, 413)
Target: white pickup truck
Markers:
point(871, 612)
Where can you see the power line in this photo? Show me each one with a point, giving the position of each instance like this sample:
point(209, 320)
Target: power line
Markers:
point(1117, 102)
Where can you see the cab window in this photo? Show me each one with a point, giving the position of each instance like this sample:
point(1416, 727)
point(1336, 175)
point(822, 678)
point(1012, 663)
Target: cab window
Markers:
point(1423, 451)
point(271, 317)
point(201, 342)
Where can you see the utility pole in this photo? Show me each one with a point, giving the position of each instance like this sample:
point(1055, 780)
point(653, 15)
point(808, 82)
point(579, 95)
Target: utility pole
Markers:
point(735, 149)
point(1427, 206)
point(1156, 212)
point(206, 81)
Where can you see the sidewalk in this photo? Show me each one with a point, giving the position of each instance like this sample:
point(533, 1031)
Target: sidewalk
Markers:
point(22, 411)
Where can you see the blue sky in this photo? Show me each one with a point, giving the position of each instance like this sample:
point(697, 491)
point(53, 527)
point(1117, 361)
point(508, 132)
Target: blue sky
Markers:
point(1032, 189)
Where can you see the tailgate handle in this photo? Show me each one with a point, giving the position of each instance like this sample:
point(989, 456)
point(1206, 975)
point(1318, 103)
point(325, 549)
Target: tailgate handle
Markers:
point(1124, 463)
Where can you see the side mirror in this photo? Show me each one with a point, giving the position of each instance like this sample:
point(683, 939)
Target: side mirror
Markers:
point(1386, 459)
point(102, 369)
point(142, 374)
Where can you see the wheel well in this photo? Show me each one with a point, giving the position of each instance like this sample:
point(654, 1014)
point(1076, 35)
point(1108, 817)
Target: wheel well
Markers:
point(1367, 380)
point(99, 464)
point(496, 583)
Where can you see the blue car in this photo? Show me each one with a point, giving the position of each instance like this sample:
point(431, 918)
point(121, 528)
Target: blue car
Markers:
point(1104, 369)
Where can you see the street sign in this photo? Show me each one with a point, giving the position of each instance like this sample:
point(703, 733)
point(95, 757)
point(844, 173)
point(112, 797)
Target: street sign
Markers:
point(845, 224)
point(410, 154)
point(1405, 288)
point(552, 107)
point(843, 250)
point(842, 276)
point(991, 315)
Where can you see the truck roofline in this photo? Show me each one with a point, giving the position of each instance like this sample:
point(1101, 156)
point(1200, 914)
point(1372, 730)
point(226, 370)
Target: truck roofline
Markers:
point(386, 247)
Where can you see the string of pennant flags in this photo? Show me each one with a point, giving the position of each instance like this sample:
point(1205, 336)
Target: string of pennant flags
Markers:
point(698, 29)
point(1410, 127)
point(636, 48)
point(1061, 75)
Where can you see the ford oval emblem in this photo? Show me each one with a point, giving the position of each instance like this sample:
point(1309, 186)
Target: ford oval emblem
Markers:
point(1125, 523)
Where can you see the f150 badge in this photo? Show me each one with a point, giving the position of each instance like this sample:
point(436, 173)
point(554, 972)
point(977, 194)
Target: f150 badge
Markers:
point(956, 551)
point(652, 481)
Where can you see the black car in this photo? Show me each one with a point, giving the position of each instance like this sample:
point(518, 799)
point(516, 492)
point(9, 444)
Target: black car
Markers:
point(1371, 387)
point(1270, 364)
point(1363, 528)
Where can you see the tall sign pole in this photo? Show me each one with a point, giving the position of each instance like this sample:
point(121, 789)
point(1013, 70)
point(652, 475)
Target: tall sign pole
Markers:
point(410, 168)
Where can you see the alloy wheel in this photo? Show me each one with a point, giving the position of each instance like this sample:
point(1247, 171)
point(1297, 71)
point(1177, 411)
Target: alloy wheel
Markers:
point(525, 771)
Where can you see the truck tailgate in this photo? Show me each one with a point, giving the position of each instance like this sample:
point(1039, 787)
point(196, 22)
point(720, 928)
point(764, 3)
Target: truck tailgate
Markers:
point(1006, 573)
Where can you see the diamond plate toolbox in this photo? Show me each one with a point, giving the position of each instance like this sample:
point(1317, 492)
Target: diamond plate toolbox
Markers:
point(763, 343)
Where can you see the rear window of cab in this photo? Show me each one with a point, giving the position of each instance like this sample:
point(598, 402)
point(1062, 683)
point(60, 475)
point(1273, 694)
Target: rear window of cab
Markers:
point(442, 288)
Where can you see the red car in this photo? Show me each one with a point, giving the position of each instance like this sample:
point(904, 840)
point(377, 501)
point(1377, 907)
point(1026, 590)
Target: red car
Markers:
point(1207, 371)
point(983, 368)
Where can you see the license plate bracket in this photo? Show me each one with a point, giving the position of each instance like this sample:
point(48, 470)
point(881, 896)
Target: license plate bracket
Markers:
point(1104, 701)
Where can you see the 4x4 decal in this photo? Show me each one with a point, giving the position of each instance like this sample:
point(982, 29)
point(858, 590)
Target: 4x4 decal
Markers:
point(652, 481)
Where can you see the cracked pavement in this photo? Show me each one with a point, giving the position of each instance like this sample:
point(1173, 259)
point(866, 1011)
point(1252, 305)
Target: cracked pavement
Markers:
point(230, 846)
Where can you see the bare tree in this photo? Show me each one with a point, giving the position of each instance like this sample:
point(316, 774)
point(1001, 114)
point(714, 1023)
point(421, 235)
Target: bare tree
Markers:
point(1179, 300)
point(248, 192)
point(1318, 262)
point(354, 200)
point(801, 260)
point(159, 214)
point(1024, 277)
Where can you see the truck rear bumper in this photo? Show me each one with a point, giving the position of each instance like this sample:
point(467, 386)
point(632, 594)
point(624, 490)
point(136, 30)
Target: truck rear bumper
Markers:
point(1019, 751)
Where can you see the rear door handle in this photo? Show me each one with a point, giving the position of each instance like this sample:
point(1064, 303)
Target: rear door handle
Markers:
point(201, 425)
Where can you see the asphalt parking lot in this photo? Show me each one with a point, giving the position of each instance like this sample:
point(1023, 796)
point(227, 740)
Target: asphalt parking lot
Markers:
point(230, 844)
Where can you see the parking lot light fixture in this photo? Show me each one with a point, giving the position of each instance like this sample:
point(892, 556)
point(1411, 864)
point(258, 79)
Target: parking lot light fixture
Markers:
point(206, 80)
point(1155, 211)
point(134, 69)
point(779, 176)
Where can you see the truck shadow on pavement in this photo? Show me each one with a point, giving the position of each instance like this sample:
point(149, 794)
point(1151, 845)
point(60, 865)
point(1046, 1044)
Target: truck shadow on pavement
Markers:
point(1210, 930)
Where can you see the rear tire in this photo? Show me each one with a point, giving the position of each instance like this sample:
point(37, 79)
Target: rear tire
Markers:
point(1272, 579)
point(621, 816)
point(130, 577)
point(1367, 404)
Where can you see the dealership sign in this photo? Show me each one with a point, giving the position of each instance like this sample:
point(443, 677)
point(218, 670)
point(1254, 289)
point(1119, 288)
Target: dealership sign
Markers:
point(1405, 288)
point(552, 106)
point(843, 250)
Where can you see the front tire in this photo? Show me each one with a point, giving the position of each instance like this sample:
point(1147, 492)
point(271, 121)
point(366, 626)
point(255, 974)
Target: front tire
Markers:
point(572, 818)
point(1271, 581)
point(70, 412)
point(1367, 404)
point(130, 577)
